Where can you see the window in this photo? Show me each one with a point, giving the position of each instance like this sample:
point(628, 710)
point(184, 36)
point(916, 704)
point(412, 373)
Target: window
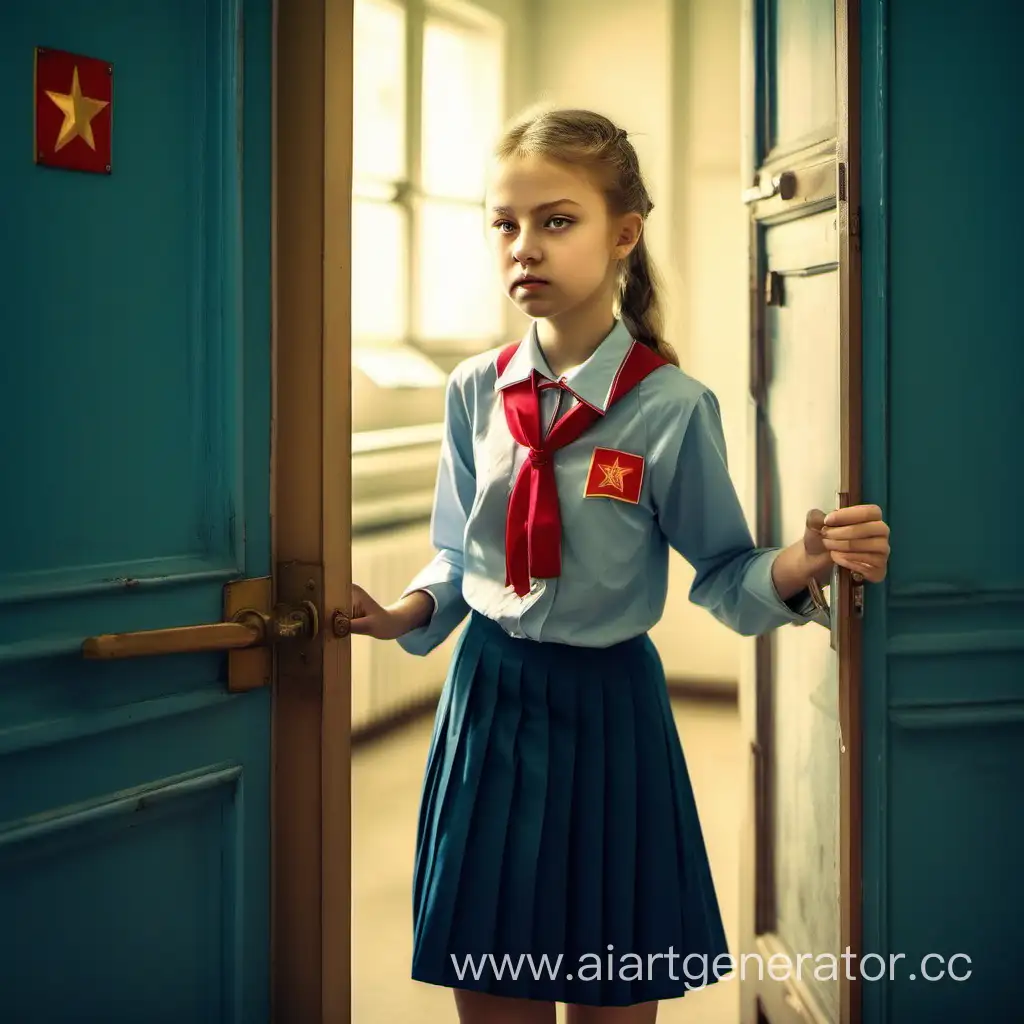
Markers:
point(379, 225)
point(420, 270)
point(428, 104)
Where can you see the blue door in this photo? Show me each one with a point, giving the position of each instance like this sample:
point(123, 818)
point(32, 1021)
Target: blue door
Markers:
point(135, 393)
point(944, 683)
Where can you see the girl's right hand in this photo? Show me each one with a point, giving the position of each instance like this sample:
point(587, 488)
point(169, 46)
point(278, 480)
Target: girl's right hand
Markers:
point(371, 619)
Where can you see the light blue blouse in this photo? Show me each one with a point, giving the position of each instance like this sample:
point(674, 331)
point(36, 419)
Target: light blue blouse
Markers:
point(615, 554)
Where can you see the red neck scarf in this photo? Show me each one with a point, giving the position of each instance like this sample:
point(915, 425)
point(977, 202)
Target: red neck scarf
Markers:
point(533, 530)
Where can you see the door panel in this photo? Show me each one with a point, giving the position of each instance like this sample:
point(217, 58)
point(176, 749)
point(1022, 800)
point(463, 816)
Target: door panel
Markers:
point(801, 879)
point(134, 811)
point(802, 382)
point(944, 693)
point(799, 73)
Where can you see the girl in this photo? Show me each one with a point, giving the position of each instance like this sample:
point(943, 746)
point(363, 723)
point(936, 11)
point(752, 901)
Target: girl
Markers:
point(559, 855)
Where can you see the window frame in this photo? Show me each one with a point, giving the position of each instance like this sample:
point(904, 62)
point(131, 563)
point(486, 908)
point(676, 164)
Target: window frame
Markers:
point(408, 193)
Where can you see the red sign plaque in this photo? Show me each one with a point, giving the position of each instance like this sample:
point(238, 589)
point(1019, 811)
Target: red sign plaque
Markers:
point(74, 106)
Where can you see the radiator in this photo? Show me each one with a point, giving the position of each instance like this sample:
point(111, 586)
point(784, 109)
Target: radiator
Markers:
point(385, 679)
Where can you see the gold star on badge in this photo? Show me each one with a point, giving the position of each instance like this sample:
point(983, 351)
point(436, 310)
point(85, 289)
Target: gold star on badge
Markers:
point(614, 475)
point(78, 111)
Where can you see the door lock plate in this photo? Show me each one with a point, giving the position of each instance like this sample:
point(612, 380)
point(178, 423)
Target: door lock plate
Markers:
point(298, 583)
point(250, 667)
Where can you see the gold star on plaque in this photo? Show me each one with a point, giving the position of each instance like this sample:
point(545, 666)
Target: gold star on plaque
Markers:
point(614, 475)
point(78, 111)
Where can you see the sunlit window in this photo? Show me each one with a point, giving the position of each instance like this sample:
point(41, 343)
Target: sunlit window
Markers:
point(379, 226)
point(420, 270)
point(461, 107)
point(379, 81)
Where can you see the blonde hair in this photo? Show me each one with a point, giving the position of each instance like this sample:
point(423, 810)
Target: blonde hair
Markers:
point(583, 137)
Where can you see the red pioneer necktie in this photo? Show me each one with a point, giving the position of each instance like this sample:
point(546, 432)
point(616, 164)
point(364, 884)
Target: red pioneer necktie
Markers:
point(533, 529)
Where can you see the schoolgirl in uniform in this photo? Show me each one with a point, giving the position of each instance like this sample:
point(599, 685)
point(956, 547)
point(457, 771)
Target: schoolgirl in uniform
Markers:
point(557, 817)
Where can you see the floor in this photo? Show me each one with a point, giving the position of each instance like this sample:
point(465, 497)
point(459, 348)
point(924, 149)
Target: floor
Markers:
point(386, 776)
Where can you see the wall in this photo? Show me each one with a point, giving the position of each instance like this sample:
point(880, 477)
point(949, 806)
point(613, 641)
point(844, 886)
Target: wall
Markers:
point(710, 226)
point(669, 74)
point(615, 58)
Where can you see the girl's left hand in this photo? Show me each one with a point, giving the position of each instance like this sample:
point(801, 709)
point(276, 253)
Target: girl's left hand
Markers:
point(856, 538)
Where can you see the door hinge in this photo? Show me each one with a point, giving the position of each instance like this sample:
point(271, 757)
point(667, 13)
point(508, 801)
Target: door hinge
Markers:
point(842, 183)
point(773, 294)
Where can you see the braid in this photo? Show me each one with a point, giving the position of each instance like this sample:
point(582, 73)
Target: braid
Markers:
point(639, 304)
point(638, 300)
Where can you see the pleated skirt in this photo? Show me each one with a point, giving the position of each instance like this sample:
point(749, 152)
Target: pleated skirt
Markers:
point(559, 855)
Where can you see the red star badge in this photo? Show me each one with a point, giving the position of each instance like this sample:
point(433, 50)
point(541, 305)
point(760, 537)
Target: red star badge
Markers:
point(74, 96)
point(615, 474)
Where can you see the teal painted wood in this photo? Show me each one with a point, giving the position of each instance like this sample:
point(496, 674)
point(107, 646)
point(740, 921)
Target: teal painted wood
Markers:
point(874, 679)
point(955, 316)
point(943, 702)
point(135, 386)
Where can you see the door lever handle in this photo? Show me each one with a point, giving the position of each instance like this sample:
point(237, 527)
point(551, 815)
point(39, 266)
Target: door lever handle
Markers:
point(248, 627)
point(783, 185)
point(252, 629)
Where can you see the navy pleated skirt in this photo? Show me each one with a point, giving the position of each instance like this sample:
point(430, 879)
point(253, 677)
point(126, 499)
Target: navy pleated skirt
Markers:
point(559, 855)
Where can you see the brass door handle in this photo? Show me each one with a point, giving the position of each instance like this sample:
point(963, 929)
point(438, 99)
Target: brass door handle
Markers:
point(217, 636)
point(247, 628)
point(249, 633)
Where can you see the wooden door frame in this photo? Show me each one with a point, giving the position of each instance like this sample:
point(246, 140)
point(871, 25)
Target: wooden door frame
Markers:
point(782, 1003)
point(311, 488)
point(848, 103)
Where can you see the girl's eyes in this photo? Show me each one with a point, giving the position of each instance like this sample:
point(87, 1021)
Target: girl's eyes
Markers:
point(563, 223)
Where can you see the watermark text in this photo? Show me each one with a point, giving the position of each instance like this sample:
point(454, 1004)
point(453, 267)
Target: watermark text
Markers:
point(698, 970)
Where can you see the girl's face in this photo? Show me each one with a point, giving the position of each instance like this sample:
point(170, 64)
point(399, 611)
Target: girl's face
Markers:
point(548, 221)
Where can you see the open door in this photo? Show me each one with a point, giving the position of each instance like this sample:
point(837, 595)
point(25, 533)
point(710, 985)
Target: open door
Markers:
point(801, 876)
point(174, 699)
